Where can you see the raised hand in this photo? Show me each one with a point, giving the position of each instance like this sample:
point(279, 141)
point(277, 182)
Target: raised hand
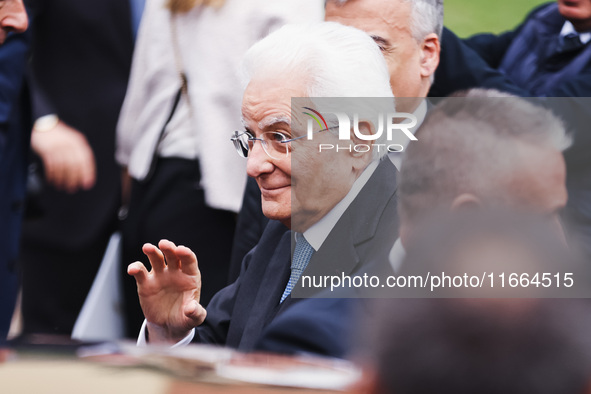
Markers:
point(169, 293)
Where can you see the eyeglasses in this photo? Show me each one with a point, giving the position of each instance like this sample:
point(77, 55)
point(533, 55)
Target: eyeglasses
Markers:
point(275, 144)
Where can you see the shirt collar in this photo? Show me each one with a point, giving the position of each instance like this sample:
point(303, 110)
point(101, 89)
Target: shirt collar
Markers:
point(420, 113)
point(568, 28)
point(318, 232)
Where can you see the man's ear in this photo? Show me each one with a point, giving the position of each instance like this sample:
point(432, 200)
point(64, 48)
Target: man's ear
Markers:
point(430, 49)
point(466, 201)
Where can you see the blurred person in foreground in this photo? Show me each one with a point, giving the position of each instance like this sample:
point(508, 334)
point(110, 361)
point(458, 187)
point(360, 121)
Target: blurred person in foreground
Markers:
point(483, 148)
point(549, 56)
point(14, 144)
point(327, 202)
point(473, 152)
point(479, 345)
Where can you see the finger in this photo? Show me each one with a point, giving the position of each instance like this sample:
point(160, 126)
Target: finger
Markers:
point(155, 256)
point(169, 250)
point(195, 312)
point(188, 260)
point(138, 271)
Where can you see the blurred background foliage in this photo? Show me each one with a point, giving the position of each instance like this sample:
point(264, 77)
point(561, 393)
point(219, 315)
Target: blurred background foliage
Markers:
point(467, 17)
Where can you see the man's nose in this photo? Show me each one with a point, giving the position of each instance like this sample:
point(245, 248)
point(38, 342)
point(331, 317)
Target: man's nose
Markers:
point(258, 162)
point(15, 18)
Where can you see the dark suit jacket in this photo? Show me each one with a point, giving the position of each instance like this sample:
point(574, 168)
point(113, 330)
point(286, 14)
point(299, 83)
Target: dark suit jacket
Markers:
point(319, 326)
point(499, 52)
point(14, 144)
point(461, 68)
point(238, 314)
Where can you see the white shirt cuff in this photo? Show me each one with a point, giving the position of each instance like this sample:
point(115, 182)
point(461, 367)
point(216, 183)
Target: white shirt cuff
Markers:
point(141, 340)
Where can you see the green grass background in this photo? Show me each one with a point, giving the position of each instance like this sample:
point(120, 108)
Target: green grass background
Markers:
point(467, 17)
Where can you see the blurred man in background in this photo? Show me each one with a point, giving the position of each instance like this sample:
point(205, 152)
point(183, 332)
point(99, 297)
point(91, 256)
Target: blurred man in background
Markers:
point(78, 76)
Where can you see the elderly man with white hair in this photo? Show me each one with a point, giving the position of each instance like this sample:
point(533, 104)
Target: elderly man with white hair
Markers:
point(329, 203)
point(408, 33)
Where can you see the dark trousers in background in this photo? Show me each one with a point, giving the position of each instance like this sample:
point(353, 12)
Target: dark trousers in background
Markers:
point(55, 284)
point(171, 205)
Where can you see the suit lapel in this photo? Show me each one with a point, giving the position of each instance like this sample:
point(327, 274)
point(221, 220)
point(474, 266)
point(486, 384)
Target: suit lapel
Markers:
point(365, 231)
point(263, 283)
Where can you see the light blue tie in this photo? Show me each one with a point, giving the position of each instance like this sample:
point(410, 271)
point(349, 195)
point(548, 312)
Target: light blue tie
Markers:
point(301, 256)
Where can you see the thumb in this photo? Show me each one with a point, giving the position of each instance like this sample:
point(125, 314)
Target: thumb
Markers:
point(194, 311)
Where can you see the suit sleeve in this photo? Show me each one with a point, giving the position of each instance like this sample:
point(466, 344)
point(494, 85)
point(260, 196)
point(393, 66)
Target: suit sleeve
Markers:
point(14, 137)
point(319, 326)
point(214, 329)
point(492, 47)
point(41, 103)
point(13, 59)
point(461, 68)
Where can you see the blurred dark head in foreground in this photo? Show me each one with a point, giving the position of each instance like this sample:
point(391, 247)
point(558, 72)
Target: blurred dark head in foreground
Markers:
point(480, 345)
point(482, 149)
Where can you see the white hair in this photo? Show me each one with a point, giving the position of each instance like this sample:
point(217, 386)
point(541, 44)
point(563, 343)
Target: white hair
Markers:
point(330, 59)
point(426, 15)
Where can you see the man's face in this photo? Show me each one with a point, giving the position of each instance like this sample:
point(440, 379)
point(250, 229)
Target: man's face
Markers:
point(578, 12)
point(299, 189)
point(410, 63)
point(266, 106)
point(12, 18)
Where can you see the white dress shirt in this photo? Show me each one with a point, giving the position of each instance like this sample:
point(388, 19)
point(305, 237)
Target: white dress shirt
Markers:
point(568, 28)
